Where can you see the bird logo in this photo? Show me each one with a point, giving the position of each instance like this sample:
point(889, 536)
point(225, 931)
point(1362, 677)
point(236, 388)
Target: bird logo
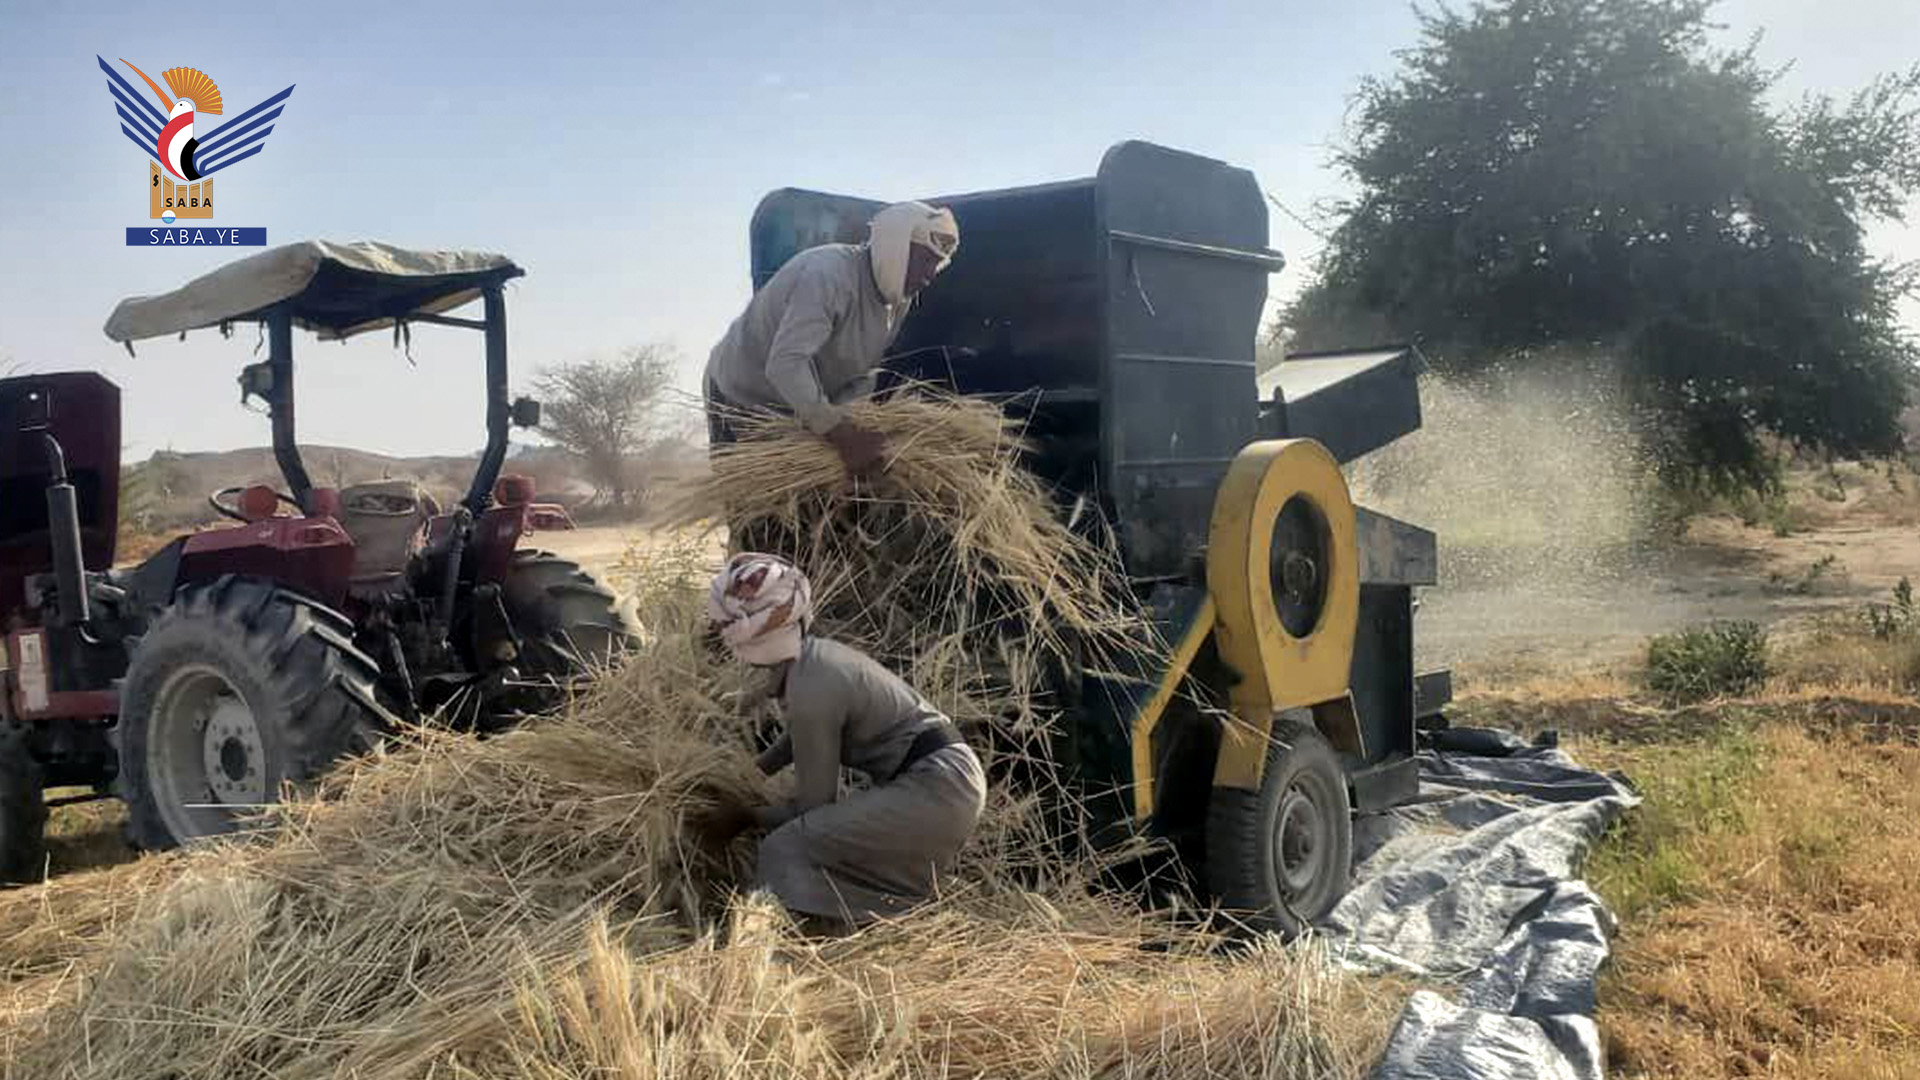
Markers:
point(197, 93)
point(168, 134)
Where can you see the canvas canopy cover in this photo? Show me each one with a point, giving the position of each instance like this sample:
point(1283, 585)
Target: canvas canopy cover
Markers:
point(335, 290)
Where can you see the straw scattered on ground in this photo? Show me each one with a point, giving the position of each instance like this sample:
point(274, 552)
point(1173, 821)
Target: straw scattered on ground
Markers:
point(556, 902)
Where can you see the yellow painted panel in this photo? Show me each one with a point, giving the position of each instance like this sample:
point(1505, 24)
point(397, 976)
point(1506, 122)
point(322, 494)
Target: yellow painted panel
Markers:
point(1156, 706)
point(1276, 670)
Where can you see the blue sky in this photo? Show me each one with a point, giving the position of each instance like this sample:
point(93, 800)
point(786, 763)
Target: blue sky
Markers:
point(616, 152)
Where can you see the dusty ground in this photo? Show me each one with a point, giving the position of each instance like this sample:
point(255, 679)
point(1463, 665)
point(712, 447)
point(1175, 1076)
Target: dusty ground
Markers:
point(597, 547)
point(615, 552)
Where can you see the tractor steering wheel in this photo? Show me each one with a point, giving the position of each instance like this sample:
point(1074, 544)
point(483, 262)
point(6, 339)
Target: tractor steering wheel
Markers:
point(233, 512)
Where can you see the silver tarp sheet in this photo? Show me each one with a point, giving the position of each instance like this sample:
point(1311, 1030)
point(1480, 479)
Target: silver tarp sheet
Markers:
point(1475, 886)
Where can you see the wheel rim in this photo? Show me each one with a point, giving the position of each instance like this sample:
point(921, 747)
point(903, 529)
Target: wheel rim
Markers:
point(1300, 844)
point(206, 761)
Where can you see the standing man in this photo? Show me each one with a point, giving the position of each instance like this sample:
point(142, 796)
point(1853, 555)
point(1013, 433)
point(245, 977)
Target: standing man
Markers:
point(811, 338)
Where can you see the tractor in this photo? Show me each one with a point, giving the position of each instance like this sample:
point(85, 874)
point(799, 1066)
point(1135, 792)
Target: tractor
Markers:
point(239, 659)
point(1116, 317)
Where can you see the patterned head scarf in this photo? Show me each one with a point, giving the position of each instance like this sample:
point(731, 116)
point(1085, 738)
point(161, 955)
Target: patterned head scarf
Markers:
point(895, 230)
point(763, 605)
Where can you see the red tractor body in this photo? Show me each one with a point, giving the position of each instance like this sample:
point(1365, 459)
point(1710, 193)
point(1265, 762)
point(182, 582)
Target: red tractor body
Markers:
point(81, 409)
point(237, 660)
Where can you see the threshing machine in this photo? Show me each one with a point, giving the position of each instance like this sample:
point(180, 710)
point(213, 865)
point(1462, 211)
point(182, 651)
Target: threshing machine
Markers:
point(1118, 315)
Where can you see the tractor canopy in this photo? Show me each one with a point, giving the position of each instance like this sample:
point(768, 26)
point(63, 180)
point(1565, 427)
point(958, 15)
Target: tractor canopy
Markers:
point(334, 290)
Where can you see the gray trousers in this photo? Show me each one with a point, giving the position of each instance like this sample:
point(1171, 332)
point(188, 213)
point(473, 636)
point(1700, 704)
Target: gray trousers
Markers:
point(877, 852)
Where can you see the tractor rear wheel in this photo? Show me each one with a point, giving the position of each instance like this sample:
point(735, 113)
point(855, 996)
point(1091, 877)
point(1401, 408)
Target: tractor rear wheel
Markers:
point(236, 689)
point(569, 624)
point(23, 811)
point(1280, 858)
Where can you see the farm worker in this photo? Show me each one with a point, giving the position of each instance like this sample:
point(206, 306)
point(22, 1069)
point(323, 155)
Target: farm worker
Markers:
point(811, 338)
point(875, 852)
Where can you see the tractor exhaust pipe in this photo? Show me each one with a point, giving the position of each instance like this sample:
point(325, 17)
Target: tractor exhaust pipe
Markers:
point(63, 533)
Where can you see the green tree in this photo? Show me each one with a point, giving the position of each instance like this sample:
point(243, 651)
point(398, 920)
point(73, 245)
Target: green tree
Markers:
point(1550, 174)
point(602, 410)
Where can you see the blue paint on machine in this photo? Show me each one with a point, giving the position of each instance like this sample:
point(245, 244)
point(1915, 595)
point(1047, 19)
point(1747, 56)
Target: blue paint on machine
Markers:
point(196, 236)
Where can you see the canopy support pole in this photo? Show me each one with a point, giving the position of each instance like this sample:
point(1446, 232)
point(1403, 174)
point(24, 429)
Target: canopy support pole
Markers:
point(499, 409)
point(280, 405)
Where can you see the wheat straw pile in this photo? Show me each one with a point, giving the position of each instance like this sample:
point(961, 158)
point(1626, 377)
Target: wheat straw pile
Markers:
point(551, 903)
point(954, 567)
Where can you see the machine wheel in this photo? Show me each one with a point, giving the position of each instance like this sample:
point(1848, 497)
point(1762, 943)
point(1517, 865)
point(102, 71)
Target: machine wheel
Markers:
point(569, 623)
point(236, 688)
point(23, 811)
point(1281, 857)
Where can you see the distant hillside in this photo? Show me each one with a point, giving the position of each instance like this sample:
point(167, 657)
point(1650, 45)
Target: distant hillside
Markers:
point(169, 490)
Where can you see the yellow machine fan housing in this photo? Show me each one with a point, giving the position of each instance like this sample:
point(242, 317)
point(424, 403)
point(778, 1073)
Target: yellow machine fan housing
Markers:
point(1283, 517)
point(193, 84)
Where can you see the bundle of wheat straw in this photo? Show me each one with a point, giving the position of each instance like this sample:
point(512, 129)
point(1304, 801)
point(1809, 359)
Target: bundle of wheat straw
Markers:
point(955, 528)
point(399, 897)
point(955, 565)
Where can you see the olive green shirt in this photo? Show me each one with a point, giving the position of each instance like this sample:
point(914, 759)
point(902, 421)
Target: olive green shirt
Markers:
point(842, 709)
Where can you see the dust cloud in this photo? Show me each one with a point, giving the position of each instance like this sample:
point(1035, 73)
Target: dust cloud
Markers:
point(1529, 477)
point(1543, 499)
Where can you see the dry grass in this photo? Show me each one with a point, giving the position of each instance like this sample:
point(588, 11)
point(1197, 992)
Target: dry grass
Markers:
point(542, 904)
point(554, 903)
point(1854, 493)
point(1766, 884)
point(1011, 993)
point(1795, 950)
point(1835, 654)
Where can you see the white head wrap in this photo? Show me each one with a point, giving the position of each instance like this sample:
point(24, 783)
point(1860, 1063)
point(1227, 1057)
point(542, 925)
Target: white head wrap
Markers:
point(894, 231)
point(762, 604)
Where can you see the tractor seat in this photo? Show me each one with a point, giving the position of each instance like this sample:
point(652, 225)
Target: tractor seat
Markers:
point(388, 522)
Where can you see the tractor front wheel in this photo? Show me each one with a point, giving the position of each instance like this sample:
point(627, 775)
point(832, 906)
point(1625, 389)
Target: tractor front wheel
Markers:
point(23, 811)
point(1280, 858)
point(237, 688)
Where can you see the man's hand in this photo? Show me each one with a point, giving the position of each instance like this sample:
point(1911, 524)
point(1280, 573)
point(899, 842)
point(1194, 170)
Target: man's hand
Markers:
point(862, 450)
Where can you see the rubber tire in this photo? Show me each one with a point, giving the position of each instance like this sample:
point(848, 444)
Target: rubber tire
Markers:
point(293, 661)
point(23, 811)
point(1240, 856)
point(569, 624)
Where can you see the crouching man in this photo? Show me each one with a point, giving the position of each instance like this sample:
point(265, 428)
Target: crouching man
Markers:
point(876, 852)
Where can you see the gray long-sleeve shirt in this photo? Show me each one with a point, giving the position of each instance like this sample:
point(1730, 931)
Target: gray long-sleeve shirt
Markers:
point(842, 708)
point(810, 339)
